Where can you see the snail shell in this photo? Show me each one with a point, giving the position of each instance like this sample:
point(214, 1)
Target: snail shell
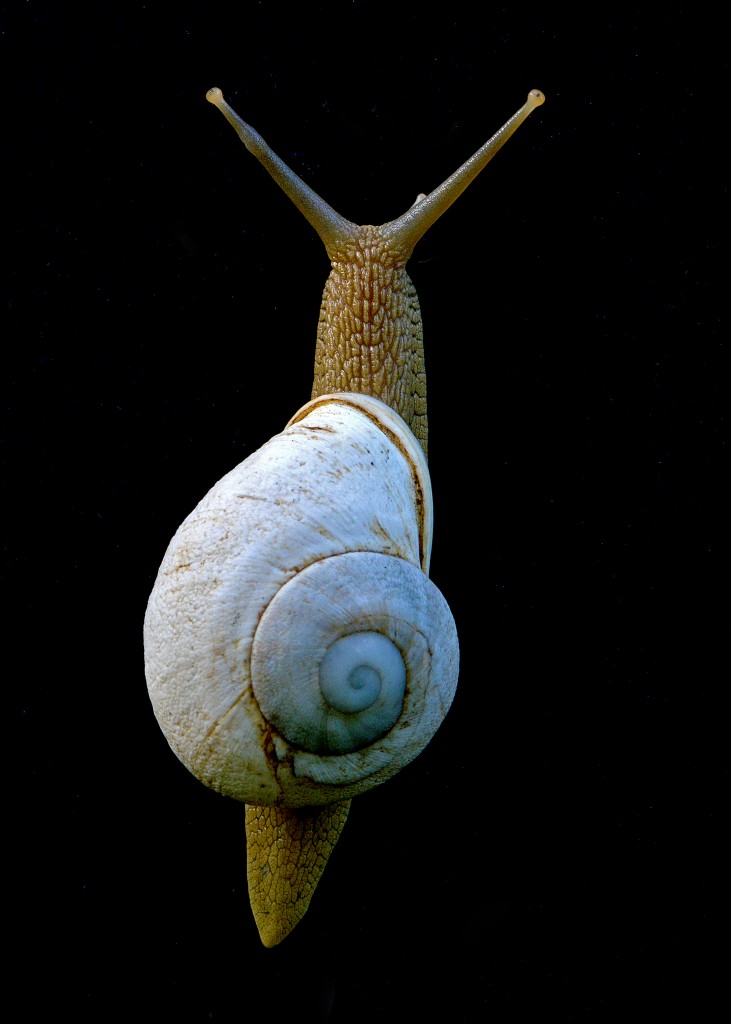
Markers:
point(296, 651)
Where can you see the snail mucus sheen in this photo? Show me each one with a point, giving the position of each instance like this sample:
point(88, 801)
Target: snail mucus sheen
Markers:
point(296, 651)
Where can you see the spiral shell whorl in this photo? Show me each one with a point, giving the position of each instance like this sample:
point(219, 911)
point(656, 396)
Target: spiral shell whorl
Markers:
point(322, 612)
point(337, 699)
point(353, 672)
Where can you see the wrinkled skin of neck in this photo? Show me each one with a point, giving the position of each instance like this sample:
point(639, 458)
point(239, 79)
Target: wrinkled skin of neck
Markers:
point(369, 337)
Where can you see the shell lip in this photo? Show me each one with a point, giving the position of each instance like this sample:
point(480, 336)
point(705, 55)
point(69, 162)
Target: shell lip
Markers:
point(389, 421)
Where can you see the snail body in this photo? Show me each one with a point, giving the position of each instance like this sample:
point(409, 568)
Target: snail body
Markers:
point(296, 652)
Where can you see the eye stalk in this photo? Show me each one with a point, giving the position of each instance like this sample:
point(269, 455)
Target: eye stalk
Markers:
point(406, 230)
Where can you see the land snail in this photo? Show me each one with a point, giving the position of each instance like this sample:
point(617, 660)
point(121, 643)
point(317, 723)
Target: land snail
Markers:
point(296, 652)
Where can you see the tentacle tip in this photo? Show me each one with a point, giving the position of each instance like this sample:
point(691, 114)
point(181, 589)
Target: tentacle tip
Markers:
point(535, 98)
point(215, 96)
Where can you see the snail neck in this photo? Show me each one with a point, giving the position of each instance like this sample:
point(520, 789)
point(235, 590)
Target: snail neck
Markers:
point(369, 337)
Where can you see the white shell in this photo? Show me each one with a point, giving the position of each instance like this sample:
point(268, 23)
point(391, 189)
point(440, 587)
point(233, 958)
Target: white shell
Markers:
point(322, 534)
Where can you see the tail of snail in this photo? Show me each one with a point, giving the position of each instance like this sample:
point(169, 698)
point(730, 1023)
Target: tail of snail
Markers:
point(296, 651)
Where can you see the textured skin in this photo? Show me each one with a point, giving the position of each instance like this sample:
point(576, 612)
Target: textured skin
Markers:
point(287, 851)
point(369, 338)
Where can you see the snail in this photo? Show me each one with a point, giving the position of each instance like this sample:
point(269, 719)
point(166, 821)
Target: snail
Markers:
point(296, 651)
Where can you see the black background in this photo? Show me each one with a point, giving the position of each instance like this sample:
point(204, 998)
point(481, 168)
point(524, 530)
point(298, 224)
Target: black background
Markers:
point(554, 854)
